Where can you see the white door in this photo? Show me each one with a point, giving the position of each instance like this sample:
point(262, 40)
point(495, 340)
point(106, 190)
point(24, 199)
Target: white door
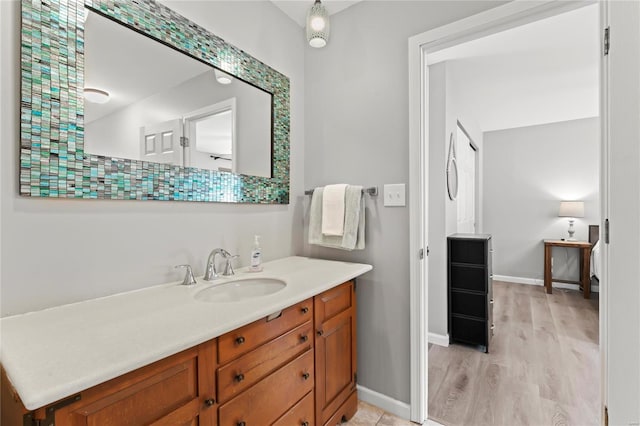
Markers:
point(160, 143)
point(211, 135)
point(466, 159)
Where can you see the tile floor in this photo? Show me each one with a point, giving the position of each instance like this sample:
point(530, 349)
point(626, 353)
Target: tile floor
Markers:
point(370, 415)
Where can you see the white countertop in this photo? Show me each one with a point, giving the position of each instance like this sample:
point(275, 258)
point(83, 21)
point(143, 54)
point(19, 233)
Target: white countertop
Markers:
point(56, 352)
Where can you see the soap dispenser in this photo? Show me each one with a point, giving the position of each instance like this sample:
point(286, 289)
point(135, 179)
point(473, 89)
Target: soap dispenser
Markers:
point(256, 255)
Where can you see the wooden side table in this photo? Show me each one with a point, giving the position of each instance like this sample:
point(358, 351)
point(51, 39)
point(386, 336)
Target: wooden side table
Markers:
point(585, 263)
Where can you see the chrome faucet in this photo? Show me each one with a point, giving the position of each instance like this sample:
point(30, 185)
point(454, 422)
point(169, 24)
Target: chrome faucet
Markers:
point(189, 279)
point(211, 272)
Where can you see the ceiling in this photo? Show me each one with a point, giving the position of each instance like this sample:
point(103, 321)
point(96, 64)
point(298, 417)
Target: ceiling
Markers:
point(543, 72)
point(297, 9)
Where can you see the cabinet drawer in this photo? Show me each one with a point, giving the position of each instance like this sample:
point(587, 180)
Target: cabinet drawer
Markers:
point(474, 305)
point(469, 330)
point(240, 341)
point(468, 251)
point(243, 372)
point(345, 411)
point(468, 278)
point(300, 415)
point(332, 302)
point(270, 398)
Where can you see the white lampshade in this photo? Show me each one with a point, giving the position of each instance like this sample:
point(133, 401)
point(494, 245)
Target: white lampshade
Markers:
point(571, 209)
point(96, 96)
point(317, 25)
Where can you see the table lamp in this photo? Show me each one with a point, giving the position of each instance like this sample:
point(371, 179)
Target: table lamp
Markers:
point(571, 209)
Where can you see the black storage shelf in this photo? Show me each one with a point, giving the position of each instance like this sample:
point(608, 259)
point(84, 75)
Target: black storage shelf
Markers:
point(470, 289)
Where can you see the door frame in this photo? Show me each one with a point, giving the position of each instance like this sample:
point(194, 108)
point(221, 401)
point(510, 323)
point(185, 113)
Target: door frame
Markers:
point(494, 20)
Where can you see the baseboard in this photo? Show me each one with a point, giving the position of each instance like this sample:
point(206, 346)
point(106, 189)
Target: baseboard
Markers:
point(439, 339)
point(388, 404)
point(518, 280)
point(533, 281)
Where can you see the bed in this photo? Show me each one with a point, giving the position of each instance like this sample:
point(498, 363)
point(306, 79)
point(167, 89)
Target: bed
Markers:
point(594, 239)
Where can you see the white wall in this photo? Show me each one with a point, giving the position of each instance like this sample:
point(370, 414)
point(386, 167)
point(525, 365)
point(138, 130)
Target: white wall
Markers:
point(447, 107)
point(528, 171)
point(356, 131)
point(60, 251)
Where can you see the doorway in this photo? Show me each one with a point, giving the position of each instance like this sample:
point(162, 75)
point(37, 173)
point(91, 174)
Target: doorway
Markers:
point(421, 47)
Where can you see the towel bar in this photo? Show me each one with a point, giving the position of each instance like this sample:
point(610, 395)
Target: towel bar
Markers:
point(373, 191)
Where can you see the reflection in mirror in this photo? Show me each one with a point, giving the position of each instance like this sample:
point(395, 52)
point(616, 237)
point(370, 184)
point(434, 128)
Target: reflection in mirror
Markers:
point(166, 107)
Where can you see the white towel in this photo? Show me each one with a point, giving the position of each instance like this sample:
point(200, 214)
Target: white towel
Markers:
point(354, 221)
point(333, 209)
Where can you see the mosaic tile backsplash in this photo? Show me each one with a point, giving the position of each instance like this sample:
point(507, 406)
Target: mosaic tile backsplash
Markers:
point(52, 158)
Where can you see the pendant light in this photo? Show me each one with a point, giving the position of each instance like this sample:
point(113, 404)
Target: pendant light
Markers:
point(317, 25)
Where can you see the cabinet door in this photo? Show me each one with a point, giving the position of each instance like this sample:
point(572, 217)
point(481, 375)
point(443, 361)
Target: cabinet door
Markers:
point(179, 390)
point(335, 355)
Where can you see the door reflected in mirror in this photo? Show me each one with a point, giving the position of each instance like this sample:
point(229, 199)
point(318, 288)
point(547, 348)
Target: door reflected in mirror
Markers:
point(164, 106)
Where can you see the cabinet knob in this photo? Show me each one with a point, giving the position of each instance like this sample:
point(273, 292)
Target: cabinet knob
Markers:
point(493, 326)
point(304, 424)
point(304, 338)
point(305, 376)
point(239, 377)
point(241, 424)
point(320, 332)
point(491, 301)
point(239, 340)
point(209, 402)
point(304, 310)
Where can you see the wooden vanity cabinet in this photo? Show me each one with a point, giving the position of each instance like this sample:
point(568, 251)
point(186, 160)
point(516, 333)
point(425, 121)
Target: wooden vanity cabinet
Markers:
point(296, 367)
point(178, 390)
point(335, 323)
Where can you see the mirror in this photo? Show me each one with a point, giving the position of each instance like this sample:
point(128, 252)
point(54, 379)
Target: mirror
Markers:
point(227, 160)
point(452, 171)
point(164, 106)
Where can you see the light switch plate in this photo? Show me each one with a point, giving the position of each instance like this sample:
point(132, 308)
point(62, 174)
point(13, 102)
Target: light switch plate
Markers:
point(394, 195)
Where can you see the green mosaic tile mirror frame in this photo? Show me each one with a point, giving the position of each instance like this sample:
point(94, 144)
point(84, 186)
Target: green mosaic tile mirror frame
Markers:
point(52, 158)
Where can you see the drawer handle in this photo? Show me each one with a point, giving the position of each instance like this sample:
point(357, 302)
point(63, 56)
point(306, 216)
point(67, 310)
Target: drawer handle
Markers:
point(304, 338)
point(241, 424)
point(304, 310)
point(320, 332)
point(305, 376)
point(239, 340)
point(239, 377)
point(304, 424)
point(209, 402)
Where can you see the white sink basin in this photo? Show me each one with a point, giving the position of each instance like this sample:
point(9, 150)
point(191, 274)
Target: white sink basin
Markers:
point(242, 289)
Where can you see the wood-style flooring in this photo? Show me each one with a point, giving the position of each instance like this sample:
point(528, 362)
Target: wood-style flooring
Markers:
point(543, 367)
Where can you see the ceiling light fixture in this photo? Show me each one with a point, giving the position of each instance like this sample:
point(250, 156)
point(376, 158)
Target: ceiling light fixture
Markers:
point(317, 25)
point(223, 77)
point(96, 96)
